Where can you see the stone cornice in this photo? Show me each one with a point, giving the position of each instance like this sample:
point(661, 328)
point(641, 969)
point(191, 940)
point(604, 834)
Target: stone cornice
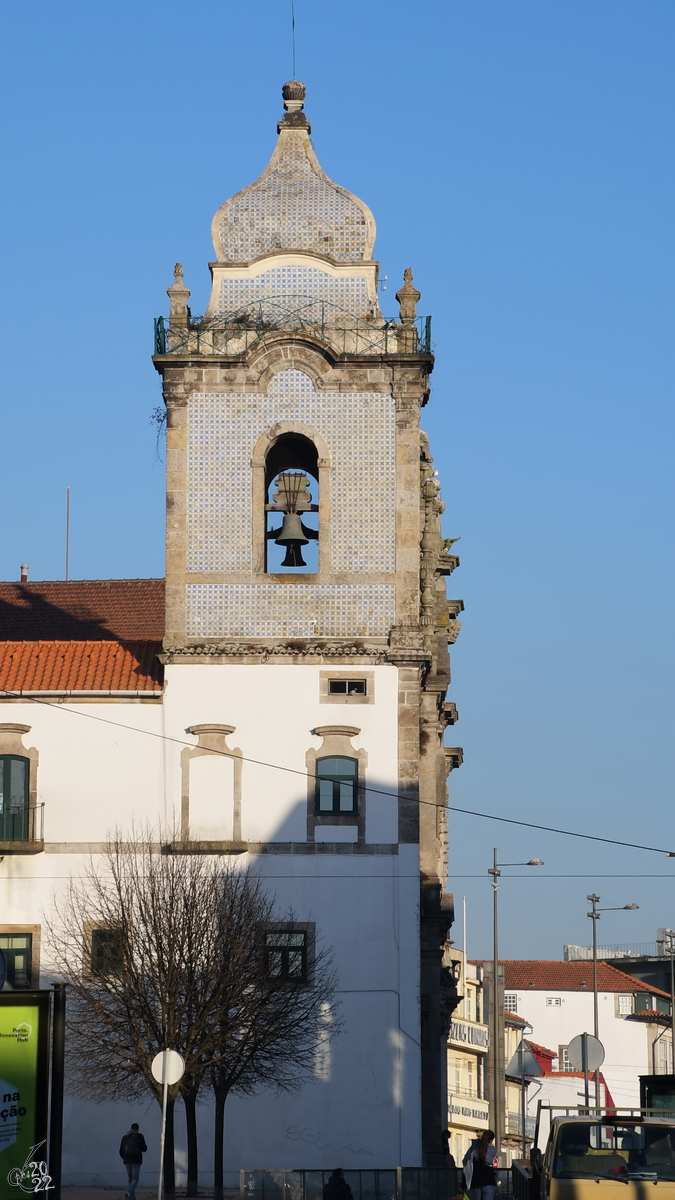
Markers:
point(271, 651)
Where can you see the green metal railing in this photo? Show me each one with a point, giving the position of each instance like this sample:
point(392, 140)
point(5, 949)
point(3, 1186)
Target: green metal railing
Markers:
point(236, 333)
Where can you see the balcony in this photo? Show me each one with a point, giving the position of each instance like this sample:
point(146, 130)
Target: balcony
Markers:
point(25, 830)
point(283, 316)
point(513, 1125)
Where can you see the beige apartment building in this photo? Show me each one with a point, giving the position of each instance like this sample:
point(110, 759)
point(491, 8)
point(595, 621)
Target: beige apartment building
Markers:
point(467, 1066)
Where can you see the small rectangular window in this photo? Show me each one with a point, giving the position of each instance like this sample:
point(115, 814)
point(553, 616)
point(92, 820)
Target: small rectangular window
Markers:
point(553, 1001)
point(626, 1005)
point(346, 687)
point(511, 1002)
point(286, 955)
point(18, 951)
point(563, 1059)
point(107, 951)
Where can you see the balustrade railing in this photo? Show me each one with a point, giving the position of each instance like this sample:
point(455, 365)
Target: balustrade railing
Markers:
point(233, 336)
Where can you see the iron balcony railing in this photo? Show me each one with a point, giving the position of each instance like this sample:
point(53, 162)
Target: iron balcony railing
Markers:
point(514, 1125)
point(236, 333)
point(22, 828)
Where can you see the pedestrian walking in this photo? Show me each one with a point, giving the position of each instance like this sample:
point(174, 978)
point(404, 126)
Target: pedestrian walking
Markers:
point(479, 1167)
point(445, 1149)
point(337, 1188)
point(132, 1149)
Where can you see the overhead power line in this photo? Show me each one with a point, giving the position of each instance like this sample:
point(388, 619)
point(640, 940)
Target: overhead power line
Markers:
point(392, 795)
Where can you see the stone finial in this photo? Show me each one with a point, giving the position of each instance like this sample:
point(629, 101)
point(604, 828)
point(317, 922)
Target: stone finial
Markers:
point(408, 297)
point(294, 93)
point(178, 293)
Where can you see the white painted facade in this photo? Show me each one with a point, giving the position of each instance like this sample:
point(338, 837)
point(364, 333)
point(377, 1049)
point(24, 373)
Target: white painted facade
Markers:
point(557, 1016)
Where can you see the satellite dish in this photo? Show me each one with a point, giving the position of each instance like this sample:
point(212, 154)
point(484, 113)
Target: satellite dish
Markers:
point(168, 1067)
point(524, 1061)
point(595, 1053)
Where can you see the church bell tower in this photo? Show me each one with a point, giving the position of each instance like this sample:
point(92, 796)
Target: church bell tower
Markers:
point(306, 610)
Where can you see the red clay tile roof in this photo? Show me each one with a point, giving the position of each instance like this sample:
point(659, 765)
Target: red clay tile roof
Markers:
point(649, 1014)
point(543, 975)
point(126, 610)
point(542, 1049)
point(514, 1018)
point(80, 666)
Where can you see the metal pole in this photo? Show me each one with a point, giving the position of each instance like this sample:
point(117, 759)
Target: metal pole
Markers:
point(56, 1105)
point(464, 929)
point(522, 1094)
point(495, 1006)
point(595, 917)
point(165, 1098)
point(584, 1063)
point(67, 533)
point(672, 1001)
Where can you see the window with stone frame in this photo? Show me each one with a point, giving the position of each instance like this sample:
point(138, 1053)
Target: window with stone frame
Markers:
point(14, 798)
point(286, 954)
point(18, 951)
point(106, 950)
point(336, 784)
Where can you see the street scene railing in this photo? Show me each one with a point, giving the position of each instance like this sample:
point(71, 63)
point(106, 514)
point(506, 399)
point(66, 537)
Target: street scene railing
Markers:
point(400, 1183)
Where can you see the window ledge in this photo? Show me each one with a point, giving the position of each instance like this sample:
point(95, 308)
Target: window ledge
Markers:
point(22, 847)
point(205, 847)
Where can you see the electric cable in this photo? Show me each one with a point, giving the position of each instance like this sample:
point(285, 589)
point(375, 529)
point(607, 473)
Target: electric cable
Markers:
point(392, 795)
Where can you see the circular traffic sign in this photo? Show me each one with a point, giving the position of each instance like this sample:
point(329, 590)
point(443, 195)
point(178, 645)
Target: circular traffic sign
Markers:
point(595, 1052)
point(168, 1067)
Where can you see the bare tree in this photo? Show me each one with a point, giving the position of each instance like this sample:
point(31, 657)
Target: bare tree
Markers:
point(169, 950)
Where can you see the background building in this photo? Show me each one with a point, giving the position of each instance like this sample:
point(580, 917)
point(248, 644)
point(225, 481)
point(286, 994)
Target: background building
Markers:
point(556, 998)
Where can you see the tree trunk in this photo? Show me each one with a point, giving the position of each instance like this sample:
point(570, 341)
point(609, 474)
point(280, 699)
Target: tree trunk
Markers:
point(190, 1101)
point(169, 1164)
point(218, 1143)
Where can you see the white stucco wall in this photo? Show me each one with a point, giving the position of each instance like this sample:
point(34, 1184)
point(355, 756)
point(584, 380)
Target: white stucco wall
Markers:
point(625, 1041)
point(101, 768)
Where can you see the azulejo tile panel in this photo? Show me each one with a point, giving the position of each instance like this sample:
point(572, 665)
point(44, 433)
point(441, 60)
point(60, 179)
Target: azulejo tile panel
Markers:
point(279, 610)
point(359, 429)
point(291, 207)
point(294, 292)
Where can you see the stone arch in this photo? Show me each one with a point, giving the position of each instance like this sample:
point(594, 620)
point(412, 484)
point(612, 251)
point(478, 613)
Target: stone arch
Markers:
point(259, 488)
point(312, 359)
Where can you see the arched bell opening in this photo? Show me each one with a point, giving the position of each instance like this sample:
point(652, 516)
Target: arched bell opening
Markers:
point(292, 505)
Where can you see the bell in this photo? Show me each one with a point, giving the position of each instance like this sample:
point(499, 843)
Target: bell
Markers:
point(292, 537)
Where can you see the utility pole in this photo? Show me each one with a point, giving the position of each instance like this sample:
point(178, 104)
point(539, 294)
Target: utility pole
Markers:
point(595, 917)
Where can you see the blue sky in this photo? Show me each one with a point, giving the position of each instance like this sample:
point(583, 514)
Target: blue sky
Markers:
point(519, 155)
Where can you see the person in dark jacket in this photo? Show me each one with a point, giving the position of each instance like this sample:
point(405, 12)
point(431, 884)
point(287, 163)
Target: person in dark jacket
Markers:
point(132, 1149)
point(336, 1188)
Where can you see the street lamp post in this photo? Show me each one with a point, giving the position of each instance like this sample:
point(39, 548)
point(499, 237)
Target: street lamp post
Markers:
point(498, 1017)
point(595, 917)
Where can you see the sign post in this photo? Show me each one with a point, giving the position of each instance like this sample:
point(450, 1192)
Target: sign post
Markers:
point(586, 1053)
point(24, 1067)
point(523, 1063)
point(168, 1067)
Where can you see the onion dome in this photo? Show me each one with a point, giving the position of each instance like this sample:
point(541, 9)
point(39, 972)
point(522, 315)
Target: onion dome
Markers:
point(293, 206)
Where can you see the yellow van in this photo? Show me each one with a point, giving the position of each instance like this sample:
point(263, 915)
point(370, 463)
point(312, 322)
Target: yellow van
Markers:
point(606, 1154)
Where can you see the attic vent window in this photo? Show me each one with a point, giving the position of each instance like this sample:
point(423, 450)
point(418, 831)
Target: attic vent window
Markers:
point(511, 1002)
point(346, 687)
point(553, 1001)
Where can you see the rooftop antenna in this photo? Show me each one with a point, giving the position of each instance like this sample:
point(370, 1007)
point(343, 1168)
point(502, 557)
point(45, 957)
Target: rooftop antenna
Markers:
point(67, 533)
point(293, 34)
